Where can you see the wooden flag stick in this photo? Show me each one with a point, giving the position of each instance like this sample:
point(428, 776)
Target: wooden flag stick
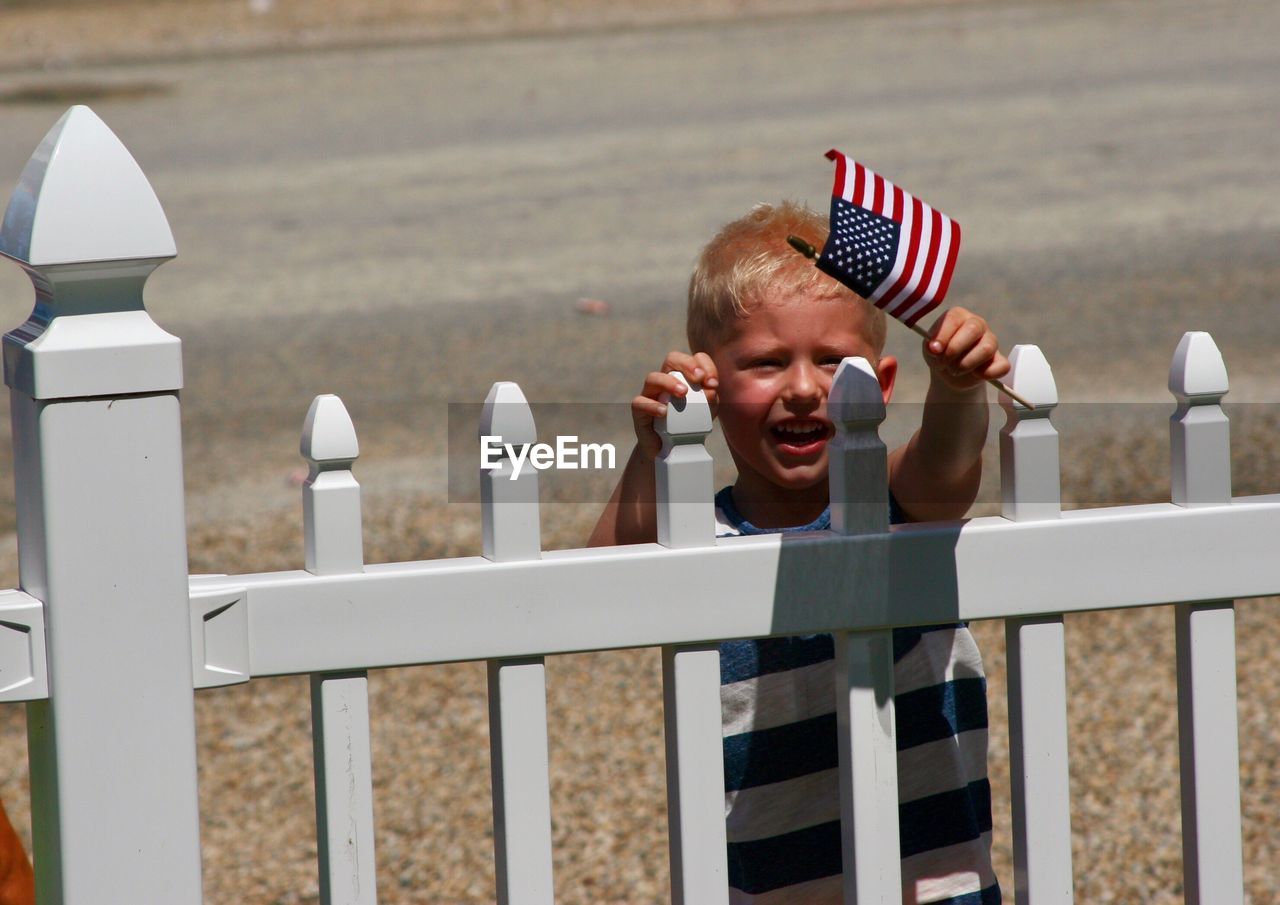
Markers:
point(811, 253)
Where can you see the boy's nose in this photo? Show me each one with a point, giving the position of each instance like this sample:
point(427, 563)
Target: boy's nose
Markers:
point(804, 384)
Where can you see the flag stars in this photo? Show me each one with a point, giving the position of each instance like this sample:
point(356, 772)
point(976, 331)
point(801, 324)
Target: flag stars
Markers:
point(862, 246)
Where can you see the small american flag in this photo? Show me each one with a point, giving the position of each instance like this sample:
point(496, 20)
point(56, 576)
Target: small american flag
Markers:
point(886, 245)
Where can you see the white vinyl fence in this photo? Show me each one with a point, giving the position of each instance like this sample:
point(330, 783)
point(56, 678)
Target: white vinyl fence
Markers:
point(108, 635)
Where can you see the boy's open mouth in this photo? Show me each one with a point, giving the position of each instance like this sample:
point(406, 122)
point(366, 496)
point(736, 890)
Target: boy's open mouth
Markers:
point(801, 436)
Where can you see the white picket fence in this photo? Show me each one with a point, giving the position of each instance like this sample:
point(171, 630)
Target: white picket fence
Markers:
point(109, 635)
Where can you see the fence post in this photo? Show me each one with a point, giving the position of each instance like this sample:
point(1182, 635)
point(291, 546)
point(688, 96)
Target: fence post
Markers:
point(102, 536)
point(1208, 735)
point(864, 660)
point(691, 673)
point(1041, 796)
point(518, 756)
point(339, 701)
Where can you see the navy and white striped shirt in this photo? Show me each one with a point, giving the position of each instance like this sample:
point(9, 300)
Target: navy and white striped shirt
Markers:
point(782, 792)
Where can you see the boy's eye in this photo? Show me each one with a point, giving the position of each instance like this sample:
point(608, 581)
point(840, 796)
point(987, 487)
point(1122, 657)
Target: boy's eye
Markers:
point(765, 363)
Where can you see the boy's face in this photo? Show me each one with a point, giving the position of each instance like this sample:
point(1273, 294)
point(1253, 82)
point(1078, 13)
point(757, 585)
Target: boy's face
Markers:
point(775, 370)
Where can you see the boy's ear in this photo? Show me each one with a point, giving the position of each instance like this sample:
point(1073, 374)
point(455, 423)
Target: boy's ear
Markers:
point(887, 374)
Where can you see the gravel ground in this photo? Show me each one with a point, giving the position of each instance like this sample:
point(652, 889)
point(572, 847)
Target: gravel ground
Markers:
point(434, 833)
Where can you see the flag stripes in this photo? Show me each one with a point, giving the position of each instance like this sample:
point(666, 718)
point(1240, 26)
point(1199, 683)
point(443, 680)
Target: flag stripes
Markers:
point(927, 247)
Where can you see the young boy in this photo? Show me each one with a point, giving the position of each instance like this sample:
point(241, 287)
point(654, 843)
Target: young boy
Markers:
point(767, 331)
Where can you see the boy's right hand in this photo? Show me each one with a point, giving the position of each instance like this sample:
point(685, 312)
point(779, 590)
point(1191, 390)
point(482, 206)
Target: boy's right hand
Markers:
point(697, 368)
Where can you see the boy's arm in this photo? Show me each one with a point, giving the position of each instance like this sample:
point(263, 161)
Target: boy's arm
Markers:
point(935, 476)
point(630, 516)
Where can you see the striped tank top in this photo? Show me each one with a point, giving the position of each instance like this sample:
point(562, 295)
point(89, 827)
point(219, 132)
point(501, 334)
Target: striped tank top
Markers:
point(782, 790)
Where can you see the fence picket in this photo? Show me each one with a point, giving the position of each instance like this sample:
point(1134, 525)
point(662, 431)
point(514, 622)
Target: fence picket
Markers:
point(1208, 733)
point(1036, 655)
point(332, 526)
point(518, 755)
point(868, 756)
point(691, 673)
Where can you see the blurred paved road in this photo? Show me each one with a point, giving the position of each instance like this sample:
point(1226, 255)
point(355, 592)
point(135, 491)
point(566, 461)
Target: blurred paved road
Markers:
point(1116, 166)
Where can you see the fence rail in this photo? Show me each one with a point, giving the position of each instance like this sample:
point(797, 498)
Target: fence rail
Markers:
point(100, 624)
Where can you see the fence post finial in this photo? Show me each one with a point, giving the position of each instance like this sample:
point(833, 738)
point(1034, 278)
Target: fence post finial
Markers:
point(1030, 481)
point(86, 226)
point(328, 435)
point(859, 467)
point(1198, 369)
point(331, 495)
point(93, 201)
point(686, 516)
point(509, 511)
point(1032, 377)
point(1199, 431)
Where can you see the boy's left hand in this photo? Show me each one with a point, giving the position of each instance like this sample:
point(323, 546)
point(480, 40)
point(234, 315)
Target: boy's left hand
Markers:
point(962, 350)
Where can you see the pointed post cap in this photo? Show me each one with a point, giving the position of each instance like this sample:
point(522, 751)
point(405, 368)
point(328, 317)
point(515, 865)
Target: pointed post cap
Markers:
point(506, 414)
point(81, 199)
point(328, 435)
point(87, 228)
point(855, 395)
point(1032, 379)
point(1198, 371)
point(688, 417)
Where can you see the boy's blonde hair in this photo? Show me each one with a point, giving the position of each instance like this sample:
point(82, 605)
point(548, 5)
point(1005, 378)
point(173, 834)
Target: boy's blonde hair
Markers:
point(749, 259)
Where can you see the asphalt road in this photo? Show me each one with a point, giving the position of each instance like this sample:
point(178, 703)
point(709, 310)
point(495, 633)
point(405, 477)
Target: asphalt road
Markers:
point(426, 216)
